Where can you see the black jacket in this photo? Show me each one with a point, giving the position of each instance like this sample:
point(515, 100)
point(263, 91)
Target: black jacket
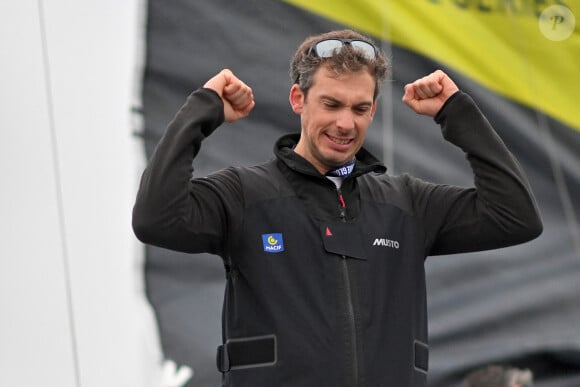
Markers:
point(326, 287)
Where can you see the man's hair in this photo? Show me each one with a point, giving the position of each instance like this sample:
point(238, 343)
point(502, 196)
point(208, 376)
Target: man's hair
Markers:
point(347, 60)
point(499, 376)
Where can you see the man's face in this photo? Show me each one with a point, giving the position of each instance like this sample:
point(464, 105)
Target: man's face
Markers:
point(334, 117)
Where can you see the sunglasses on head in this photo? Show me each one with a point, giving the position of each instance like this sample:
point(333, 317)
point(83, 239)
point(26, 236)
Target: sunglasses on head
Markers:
point(328, 47)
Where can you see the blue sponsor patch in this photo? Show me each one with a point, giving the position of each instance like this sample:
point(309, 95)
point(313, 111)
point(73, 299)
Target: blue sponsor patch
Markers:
point(273, 243)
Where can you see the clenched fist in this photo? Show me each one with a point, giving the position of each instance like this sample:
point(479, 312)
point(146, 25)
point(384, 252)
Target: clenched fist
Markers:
point(237, 97)
point(428, 94)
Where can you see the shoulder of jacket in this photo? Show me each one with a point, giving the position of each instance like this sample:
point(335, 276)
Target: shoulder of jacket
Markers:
point(262, 182)
point(387, 189)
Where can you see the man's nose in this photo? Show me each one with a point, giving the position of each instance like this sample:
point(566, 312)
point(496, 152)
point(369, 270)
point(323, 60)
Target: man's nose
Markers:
point(345, 119)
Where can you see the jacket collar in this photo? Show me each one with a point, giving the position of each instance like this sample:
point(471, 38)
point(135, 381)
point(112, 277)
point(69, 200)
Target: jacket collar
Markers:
point(284, 151)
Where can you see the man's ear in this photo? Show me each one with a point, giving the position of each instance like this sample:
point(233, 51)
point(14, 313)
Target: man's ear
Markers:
point(296, 98)
point(373, 109)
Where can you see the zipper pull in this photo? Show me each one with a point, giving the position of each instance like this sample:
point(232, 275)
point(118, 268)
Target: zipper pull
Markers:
point(342, 204)
point(341, 200)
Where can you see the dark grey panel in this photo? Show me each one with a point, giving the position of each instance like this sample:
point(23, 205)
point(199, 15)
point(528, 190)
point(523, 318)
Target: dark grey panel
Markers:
point(518, 305)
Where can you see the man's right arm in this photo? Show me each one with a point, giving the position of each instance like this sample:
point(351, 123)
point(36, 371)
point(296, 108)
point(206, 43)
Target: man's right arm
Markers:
point(172, 210)
point(163, 208)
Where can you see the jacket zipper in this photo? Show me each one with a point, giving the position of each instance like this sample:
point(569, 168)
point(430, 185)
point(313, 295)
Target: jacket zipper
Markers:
point(348, 294)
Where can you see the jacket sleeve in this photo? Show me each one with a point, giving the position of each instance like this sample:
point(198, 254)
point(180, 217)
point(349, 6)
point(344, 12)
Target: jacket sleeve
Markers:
point(499, 211)
point(172, 210)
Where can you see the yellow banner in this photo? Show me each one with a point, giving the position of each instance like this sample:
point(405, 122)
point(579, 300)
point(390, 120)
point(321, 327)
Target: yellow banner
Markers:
point(527, 50)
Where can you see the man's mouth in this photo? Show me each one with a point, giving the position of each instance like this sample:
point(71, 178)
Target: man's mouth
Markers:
point(339, 141)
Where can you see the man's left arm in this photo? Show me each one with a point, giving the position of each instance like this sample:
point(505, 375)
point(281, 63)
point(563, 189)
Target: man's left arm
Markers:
point(500, 210)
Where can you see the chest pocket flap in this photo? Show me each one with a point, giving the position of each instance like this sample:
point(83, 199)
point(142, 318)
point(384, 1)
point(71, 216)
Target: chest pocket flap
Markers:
point(343, 239)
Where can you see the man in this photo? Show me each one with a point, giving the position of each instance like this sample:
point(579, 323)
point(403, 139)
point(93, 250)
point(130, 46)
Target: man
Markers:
point(324, 252)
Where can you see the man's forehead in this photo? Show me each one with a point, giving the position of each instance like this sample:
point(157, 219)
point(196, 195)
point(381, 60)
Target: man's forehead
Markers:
point(358, 85)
